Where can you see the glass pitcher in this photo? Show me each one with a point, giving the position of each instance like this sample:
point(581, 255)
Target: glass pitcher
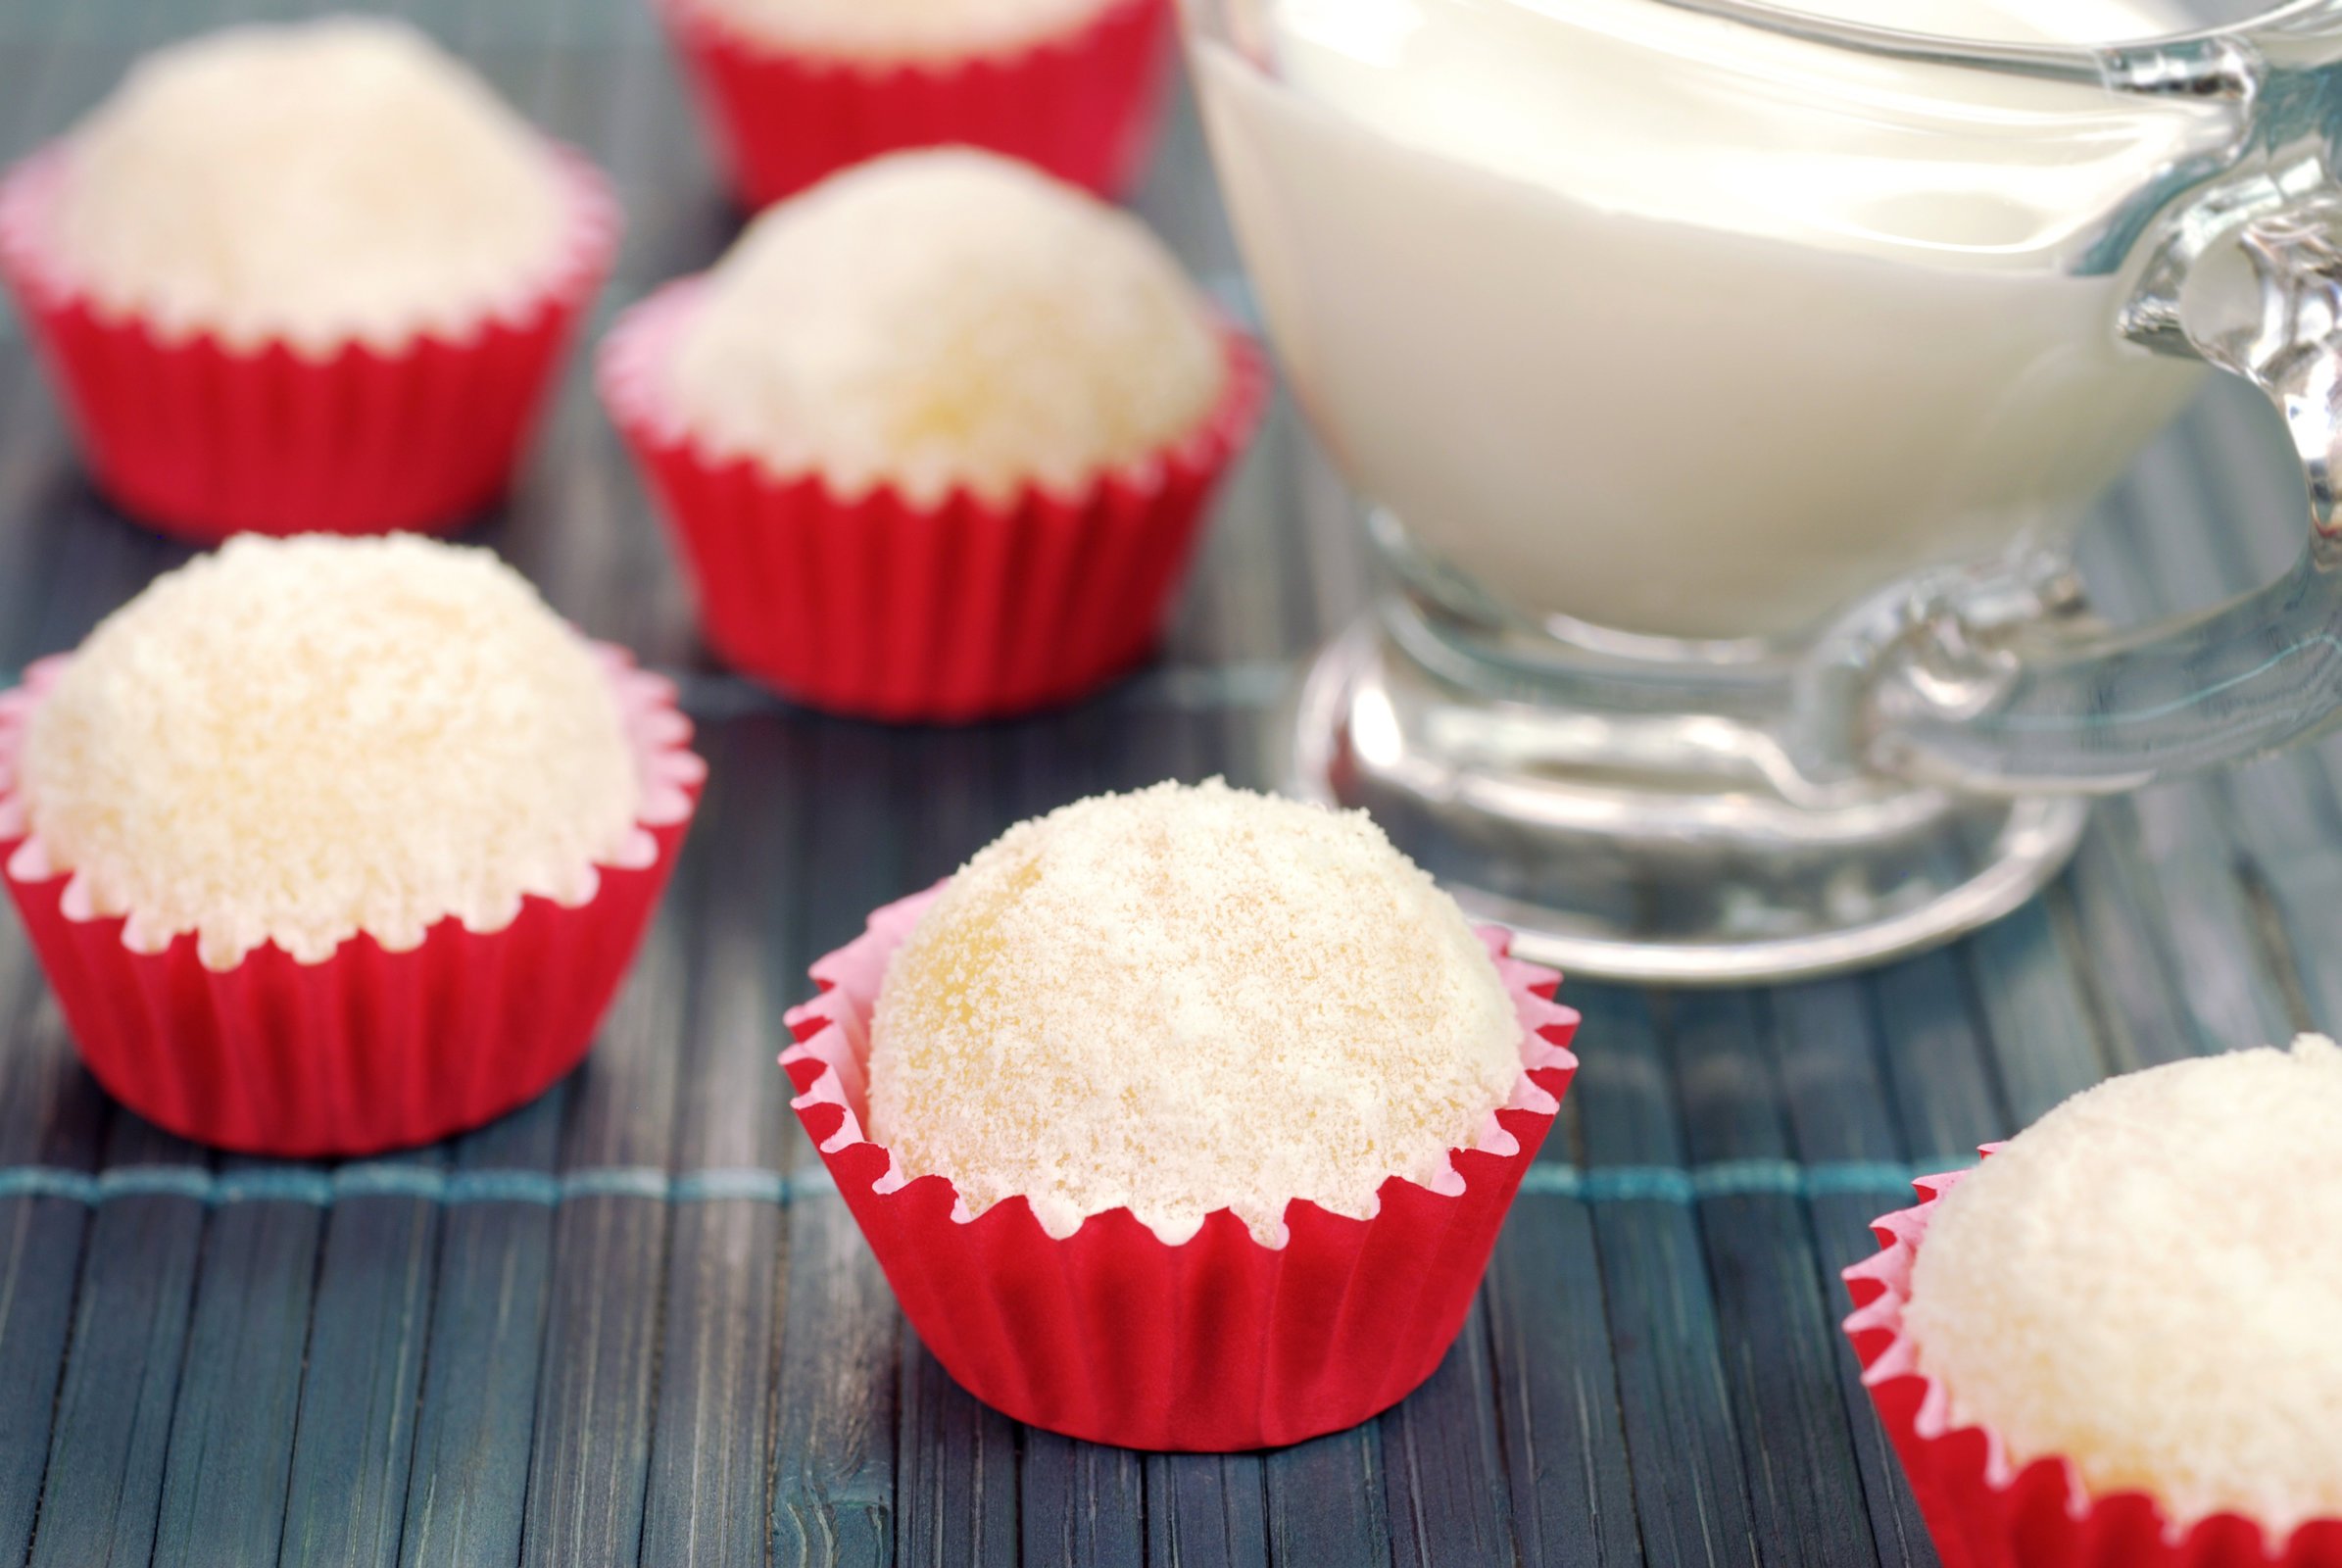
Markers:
point(1724, 382)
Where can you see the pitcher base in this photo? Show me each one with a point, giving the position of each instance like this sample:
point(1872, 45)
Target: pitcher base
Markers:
point(1654, 847)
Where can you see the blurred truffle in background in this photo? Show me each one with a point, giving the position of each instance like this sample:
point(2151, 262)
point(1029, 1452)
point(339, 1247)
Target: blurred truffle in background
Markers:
point(793, 91)
point(307, 276)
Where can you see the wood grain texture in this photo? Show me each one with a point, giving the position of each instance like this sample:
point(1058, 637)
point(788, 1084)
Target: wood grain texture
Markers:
point(353, 1447)
point(1777, 1332)
point(474, 1427)
point(232, 1431)
point(1825, 1053)
point(1081, 1505)
point(956, 1488)
point(1690, 1496)
point(1556, 1395)
point(1206, 1510)
point(834, 1494)
point(112, 1424)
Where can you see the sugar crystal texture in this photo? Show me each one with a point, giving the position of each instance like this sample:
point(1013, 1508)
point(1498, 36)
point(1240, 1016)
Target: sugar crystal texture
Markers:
point(2147, 1282)
point(299, 739)
point(905, 30)
point(318, 182)
point(935, 320)
point(1186, 999)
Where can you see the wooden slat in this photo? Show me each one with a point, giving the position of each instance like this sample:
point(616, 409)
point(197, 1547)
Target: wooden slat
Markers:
point(473, 1428)
point(51, 1115)
point(104, 1484)
point(1826, 1048)
point(2043, 1042)
point(346, 1497)
point(955, 1488)
point(710, 1447)
point(1326, 1500)
point(232, 1430)
point(1939, 1073)
point(834, 1489)
point(1080, 1505)
point(1776, 1334)
point(1689, 1495)
point(589, 1463)
point(1557, 1397)
point(1206, 1510)
point(1446, 1492)
point(834, 1450)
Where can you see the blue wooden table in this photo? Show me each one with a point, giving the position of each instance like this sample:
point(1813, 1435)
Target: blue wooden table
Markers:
point(632, 1322)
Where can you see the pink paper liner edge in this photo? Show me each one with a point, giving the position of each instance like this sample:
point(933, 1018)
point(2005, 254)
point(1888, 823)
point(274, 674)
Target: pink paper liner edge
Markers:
point(827, 1063)
point(737, 517)
point(2044, 1514)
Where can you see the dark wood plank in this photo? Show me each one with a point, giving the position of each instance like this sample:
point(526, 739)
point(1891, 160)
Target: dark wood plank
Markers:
point(369, 1329)
point(1206, 1510)
point(1938, 1068)
point(1826, 1048)
point(834, 1499)
point(232, 1431)
point(1690, 1497)
point(1776, 1334)
point(712, 1435)
point(1557, 1397)
point(955, 1494)
point(52, 1119)
point(1326, 1499)
point(2037, 1024)
point(1447, 1496)
point(1080, 1505)
point(106, 1456)
point(589, 1463)
point(474, 1428)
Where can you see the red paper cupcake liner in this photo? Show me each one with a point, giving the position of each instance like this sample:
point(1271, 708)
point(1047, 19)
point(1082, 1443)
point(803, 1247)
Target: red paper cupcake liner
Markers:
point(881, 608)
point(1984, 1512)
point(368, 1049)
point(1082, 106)
point(200, 439)
point(1216, 1345)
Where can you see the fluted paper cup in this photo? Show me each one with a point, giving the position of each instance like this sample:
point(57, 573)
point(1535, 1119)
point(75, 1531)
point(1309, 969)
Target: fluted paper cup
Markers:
point(879, 608)
point(1982, 1509)
point(200, 438)
point(1082, 105)
point(1218, 1344)
point(371, 1049)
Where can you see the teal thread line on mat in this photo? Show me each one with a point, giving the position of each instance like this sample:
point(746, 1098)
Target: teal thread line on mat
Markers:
point(323, 1187)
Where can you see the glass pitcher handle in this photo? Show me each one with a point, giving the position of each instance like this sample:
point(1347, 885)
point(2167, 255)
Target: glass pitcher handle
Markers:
point(1949, 703)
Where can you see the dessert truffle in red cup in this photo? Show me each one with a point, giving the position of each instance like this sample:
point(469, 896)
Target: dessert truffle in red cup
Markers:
point(2113, 1344)
point(794, 90)
point(329, 845)
point(936, 439)
point(303, 278)
point(1183, 1119)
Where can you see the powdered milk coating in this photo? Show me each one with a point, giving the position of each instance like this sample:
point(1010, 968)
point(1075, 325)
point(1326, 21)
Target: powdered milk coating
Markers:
point(1186, 999)
point(297, 740)
point(320, 181)
point(2145, 1281)
point(893, 30)
point(936, 320)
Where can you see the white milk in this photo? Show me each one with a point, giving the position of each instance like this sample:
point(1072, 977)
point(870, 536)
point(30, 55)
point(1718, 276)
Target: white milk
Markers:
point(1682, 329)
